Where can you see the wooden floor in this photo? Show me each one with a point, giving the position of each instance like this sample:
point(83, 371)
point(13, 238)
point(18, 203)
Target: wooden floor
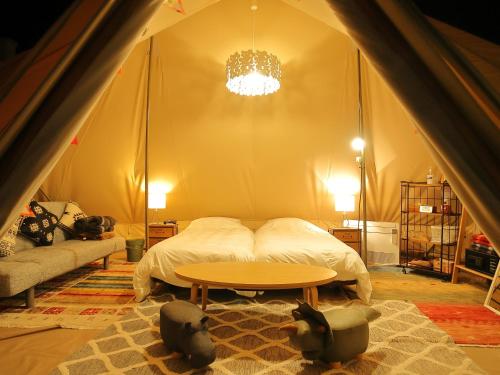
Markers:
point(28, 351)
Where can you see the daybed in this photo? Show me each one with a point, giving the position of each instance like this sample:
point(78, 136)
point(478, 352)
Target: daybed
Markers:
point(287, 240)
point(31, 265)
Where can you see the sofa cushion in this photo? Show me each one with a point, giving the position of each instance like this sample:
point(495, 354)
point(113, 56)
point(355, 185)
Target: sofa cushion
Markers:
point(16, 277)
point(57, 208)
point(22, 243)
point(72, 213)
point(40, 228)
point(8, 241)
point(53, 261)
point(88, 251)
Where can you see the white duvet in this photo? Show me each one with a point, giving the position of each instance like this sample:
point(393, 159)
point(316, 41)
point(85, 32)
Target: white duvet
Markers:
point(204, 240)
point(292, 240)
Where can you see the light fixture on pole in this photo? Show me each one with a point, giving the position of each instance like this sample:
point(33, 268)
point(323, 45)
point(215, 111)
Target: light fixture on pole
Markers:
point(344, 203)
point(358, 144)
point(252, 72)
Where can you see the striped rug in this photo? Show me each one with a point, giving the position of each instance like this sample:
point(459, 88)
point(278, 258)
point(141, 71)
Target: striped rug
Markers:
point(89, 297)
point(467, 324)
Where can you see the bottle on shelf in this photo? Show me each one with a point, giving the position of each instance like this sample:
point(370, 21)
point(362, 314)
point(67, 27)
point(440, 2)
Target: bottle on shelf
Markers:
point(430, 177)
point(445, 207)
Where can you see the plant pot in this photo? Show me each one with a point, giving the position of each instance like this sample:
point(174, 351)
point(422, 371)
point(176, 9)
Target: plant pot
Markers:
point(135, 249)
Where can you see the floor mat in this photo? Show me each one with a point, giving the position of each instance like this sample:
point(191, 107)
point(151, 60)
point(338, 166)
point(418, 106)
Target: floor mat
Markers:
point(248, 341)
point(89, 297)
point(467, 324)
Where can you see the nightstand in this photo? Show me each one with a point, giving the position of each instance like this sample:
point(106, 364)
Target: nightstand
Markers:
point(349, 236)
point(159, 232)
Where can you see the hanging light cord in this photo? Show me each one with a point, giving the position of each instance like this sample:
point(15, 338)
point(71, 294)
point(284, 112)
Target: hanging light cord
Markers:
point(253, 8)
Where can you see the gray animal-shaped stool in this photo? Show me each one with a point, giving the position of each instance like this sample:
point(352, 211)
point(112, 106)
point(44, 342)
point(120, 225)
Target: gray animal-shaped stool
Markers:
point(184, 330)
point(333, 336)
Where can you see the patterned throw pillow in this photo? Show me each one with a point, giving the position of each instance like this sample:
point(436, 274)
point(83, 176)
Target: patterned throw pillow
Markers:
point(71, 214)
point(40, 228)
point(8, 241)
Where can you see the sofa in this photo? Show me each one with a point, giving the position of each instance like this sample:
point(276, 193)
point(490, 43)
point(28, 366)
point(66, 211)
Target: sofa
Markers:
point(31, 265)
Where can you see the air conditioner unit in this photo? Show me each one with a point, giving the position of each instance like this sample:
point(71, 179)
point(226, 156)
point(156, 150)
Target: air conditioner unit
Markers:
point(382, 238)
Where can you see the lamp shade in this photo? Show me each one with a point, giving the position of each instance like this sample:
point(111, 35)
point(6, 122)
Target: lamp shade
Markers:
point(157, 200)
point(252, 73)
point(344, 203)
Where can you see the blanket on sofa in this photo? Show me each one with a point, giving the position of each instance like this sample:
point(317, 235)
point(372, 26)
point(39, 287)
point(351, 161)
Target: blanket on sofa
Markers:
point(94, 225)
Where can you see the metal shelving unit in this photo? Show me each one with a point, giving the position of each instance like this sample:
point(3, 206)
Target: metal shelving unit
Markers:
point(430, 224)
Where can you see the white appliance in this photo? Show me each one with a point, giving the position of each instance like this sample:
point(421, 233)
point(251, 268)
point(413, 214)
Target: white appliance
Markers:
point(382, 237)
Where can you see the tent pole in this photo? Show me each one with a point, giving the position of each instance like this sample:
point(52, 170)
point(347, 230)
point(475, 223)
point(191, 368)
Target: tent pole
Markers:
point(364, 243)
point(146, 150)
point(364, 247)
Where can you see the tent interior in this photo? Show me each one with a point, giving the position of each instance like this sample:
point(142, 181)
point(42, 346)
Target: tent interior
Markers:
point(221, 154)
point(217, 154)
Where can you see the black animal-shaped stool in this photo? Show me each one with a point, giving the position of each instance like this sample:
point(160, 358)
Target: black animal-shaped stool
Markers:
point(333, 336)
point(184, 330)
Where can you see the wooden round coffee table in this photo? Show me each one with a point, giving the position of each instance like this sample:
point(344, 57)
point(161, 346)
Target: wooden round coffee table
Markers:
point(255, 276)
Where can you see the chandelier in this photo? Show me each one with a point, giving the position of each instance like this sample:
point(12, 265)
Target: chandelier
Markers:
point(252, 72)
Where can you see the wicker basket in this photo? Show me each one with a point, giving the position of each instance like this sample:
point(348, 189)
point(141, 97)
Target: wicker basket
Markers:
point(449, 234)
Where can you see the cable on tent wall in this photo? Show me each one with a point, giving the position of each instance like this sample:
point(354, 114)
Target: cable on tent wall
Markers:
point(146, 150)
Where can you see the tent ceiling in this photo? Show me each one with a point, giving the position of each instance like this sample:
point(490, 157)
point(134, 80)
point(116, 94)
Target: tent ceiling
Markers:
point(283, 36)
point(166, 17)
point(483, 55)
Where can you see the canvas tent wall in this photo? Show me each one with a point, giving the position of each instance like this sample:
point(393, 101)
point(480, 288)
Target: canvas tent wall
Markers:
point(227, 155)
point(219, 150)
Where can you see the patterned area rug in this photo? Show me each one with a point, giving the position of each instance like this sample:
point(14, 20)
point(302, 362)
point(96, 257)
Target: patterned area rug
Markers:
point(89, 297)
point(402, 341)
point(466, 324)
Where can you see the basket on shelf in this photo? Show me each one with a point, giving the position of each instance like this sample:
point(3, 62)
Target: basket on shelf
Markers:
point(449, 233)
point(445, 263)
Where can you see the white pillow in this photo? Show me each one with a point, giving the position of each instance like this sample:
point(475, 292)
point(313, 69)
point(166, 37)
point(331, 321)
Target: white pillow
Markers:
point(215, 222)
point(290, 223)
point(72, 213)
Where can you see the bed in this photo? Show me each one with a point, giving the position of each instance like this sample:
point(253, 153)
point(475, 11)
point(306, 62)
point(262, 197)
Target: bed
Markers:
point(219, 239)
point(212, 239)
point(293, 240)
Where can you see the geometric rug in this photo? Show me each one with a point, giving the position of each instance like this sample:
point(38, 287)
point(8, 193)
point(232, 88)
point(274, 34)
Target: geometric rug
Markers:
point(248, 341)
point(89, 297)
point(467, 324)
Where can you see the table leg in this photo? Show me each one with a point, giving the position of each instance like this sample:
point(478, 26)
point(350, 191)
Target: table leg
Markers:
point(194, 293)
point(204, 295)
point(314, 296)
point(306, 295)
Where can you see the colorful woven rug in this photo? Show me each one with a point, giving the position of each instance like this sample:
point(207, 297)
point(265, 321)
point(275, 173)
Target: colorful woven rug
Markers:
point(89, 297)
point(248, 341)
point(466, 324)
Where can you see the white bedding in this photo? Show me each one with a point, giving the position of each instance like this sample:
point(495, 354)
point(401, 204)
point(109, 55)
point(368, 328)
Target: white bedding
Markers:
point(292, 240)
point(204, 240)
